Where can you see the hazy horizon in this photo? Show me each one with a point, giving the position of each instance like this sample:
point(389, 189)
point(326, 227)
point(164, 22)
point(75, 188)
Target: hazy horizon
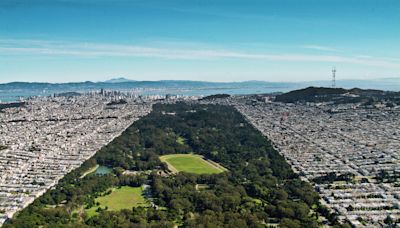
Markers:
point(149, 80)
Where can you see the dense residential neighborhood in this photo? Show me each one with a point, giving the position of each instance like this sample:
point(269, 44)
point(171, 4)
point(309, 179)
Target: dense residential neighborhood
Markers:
point(350, 153)
point(49, 137)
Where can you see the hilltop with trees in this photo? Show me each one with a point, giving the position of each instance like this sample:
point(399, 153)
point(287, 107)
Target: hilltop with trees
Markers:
point(338, 95)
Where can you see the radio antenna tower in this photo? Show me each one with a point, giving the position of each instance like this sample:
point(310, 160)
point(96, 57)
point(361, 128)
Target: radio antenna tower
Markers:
point(333, 77)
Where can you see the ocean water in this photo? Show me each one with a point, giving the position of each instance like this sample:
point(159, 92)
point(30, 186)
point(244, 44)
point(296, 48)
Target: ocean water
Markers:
point(15, 95)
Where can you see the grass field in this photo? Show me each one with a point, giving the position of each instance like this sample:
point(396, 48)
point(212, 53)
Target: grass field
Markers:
point(190, 163)
point(120, 198)
point(180, 140)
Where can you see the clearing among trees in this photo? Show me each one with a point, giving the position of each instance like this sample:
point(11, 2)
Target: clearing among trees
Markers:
point(191, 163)
point(124, 197)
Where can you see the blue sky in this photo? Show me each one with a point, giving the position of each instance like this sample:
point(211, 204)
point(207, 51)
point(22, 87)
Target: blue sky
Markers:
point(209, 40)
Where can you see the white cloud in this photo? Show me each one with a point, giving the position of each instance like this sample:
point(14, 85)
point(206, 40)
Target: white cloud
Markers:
point(56, 48)
point(320, 48)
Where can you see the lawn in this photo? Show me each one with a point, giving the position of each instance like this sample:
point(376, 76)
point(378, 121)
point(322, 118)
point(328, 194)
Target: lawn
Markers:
point(120, 198)
point(180, 140)
point(190, 163)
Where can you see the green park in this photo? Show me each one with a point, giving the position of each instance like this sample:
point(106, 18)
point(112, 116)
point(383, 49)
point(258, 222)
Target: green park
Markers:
point(190, 163)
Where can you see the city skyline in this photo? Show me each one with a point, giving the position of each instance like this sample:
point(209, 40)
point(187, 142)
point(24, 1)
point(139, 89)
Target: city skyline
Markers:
point(70, 41)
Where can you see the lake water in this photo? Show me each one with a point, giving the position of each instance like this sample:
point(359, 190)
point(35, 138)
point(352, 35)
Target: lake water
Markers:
point(103, 170)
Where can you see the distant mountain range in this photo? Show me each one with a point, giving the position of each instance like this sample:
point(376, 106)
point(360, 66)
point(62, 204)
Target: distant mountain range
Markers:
point(383, 84)
point(118, 80)
point(122, 83)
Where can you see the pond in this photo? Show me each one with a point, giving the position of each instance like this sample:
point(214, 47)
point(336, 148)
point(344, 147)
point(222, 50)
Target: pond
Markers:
point(103, 170)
